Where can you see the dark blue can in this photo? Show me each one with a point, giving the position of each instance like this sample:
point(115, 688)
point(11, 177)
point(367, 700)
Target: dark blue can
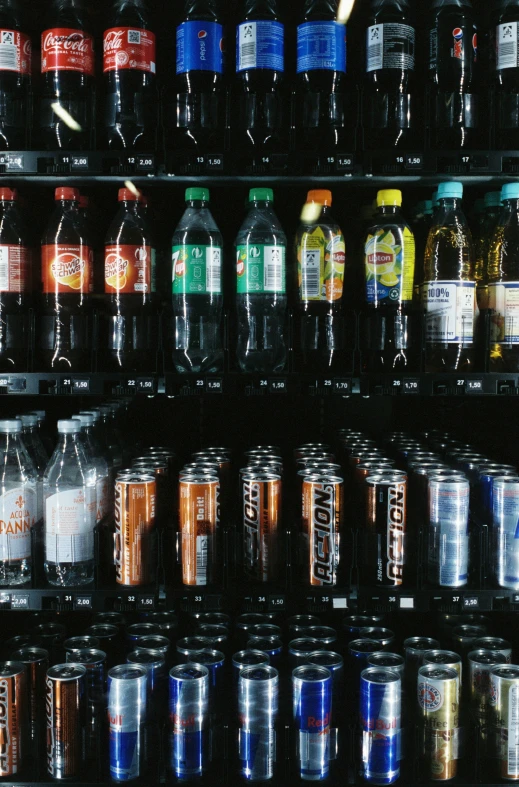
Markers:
point(312, 713)
point(380, 721)
point(189, 721)
point(214, 660)
point(486, 486)
point(272, 646)
point(248, 658)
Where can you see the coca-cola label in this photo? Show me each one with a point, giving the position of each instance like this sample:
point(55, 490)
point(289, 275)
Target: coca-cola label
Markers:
point(129, 49)
point(15, 52)
point(14, 269)
point(67, 269)
point(65, 49)
point(129, 269)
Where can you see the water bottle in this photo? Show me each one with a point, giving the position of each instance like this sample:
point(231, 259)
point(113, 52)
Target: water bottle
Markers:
point(18, 505)
point(36, 450)
point(44, 431)
point(104, 496)
point(111, 437)
point(69, 489)
point(197, 288)
point(261, 301)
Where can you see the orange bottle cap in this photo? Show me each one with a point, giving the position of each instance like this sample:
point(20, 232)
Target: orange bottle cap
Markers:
point(321, 196)
point(7, 195)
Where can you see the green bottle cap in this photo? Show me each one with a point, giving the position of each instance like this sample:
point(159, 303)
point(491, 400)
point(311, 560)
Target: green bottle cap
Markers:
point(197, 194)
point(261, 195)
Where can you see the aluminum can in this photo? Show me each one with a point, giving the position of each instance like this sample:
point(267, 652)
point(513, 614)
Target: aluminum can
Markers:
point(299, 649)
point(481, 662)
point(265, 630)
point(13, 716)
point(384, 636)
point(359, 650)
point(334, 663)
point(247, 658)
point(244, 624)
point(218, 635)
point(504, 697)
point(380, 720)
point(497, 645)
point(414, 648)
point(50, 634)
point(135, 547)
point(504, 526)
point(166, 620)
point(386, 511)
point(465, 635)
point(113, 618)
point(65, 707)
point(272, 646)
point(388, 661)
point(261, 506)
point(325, 634)
point(136, 631)
point(212, 619)
point(126, 715)
point(322, 508)
point(94, 661)
point(371, 467)
point(312, 713)
point(156, 676)
point(188, 647)
point(298, 623)
point(189, 720)
point(487, 474)
point(154, 642)
point(20, 641)
point(36, 662)
point(79, 643)
point(438, 700)
point(107, 634)
point(214, 661)
point(352, 624)
point(199, 524)
point(258, 700)
point(445, 658)
point(448, 553)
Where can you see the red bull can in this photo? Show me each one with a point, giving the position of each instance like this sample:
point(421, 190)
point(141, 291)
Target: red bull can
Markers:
point(258, 699)
point(126, 715)
point(380, 720)
point(247, 658)
point(189, 720)
point(312, 713)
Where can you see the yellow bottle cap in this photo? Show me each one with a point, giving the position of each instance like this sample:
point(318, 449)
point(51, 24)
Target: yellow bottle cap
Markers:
point(389, 197)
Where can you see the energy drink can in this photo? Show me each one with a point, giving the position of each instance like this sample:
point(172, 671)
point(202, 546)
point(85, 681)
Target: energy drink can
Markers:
point(352, 624)
point(325, 634)
point(258, 699)
point(497, 645)
point(154, 642)
point(126, 715)
point(380, 720)
point(218, 635)
point(299, 649)
point(135, 537)
point(136, 631)
point(385, 538)
point(214, 661)
point(388, 661)
point(36, 662)
point(438, 699)
point(481, 662)
point(189, 719)
point(199, 523)
point(65, 705)
point(448, 553)
point(80, 643)
point(261, 499)
point(334, 663)
point(504, 698)
point(322, 515)
point(272, 646)
point(154, 662)
point(188, 647)
point(385, 637)
point(464, 636)
point(298, 623)
point(247, 658)
point(504, 527)
point(312, 713)
point(13, 716)
point(94, 661)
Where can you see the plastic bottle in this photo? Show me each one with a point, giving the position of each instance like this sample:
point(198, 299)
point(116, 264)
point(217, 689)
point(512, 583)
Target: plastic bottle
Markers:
point(421, 227)
point(490, 216)
point(197, 288)
point(68, 77)
point(449, 287)
point(15, 284)
point(321, 260)
point(392, 343)
point(131, 328)
point(505, 29)
point(261, 301)
point(18, 505)
point(129, 66)
point(390, 100)
point(261, 125)
point(104, 492)
point(69, 488)
point(453, 116)
point(65, 315)
point(35, 448)
point(111, 438)
point(15, 78)
point(44, 432)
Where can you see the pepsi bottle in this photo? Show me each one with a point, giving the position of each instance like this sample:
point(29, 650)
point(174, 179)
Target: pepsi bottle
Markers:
point(15, 78)
point(506, 75)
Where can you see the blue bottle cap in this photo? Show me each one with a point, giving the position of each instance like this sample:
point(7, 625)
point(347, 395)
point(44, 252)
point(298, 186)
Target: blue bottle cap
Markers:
point(450, 190)
point(427, 207)
point(435, 200)
point(510, 191)
point(493, 199)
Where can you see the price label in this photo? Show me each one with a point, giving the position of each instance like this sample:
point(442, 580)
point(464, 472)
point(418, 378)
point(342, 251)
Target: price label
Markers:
point(342, 386)
point(276, 602)
point(414, 161)
point(278, 386)
point(145, 385)
point(19, 601)
point(344, 163)
point(145, 162)
point(214, 163)
point(470, 602)
point(83, 602)
point(411, 386)
point(474, 386)
point(214, 386)
point(340, 602)
point(79, 162)
point(407, 603)
point(146, 602)
point(80, 386)
point(13, 162)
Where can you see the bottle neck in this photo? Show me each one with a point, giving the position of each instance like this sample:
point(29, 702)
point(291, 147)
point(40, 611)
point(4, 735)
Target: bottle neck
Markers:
point(203, 8)
point(389, 210)
point(261, 8)
point(450, 203)
point(197, 204)
point(67, 204)
point(262, 204)
point(511, 205)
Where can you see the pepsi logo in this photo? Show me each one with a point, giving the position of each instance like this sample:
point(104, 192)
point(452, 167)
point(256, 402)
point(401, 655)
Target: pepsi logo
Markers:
point(202, 34)
point(457, 33)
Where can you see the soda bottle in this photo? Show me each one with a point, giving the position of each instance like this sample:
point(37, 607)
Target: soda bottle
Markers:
point(261, 301)
point(15, 284)
point(449, 287)
point(325, 114)
point(69, 490)
point(197, 288)
point(391, 340)
point(68, 70)
point(131, 310)
point(453, 100)
point(65, 315)
point(18, 505)
point(129, 66)
point(261, 125)
point(104, 482)
point(489, 218)
point(505, 23)
point(321, 259)
point(391, 114)
point(198, 115)
point(35, 448)
point(503, 284)
point(15, 78)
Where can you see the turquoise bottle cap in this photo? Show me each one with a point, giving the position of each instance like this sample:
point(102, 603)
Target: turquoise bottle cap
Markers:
point(510, 191)
point(493, 199)
point(450, 190)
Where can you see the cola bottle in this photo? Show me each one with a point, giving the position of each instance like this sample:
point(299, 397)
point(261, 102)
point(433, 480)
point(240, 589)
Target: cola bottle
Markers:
point(130, 308)
point(506, 76)
point(67, 67)
point(65, 314)
point(15, 285)
point(129, 66)
point(453, 100)
point(15, 78)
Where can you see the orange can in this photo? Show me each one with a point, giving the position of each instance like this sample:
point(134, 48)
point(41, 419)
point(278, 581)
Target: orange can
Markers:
point(13, 701)
point(135, 536)
point(261, 521)
point(199, 517)
point(323, 497)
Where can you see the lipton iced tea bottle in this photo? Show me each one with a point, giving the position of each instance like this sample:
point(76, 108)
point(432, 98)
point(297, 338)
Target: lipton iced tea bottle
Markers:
point(449, 287)
point(65, 314)
point(131, 331)
point(391, 339)
point(15, 285)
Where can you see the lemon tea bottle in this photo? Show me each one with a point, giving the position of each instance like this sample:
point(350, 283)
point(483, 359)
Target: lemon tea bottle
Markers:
point(390, 331)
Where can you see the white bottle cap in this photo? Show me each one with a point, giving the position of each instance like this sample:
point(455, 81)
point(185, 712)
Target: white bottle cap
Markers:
point(10, 426)
point(96, 415)
point(85, 418)
point(69, 426)
point(29, 420)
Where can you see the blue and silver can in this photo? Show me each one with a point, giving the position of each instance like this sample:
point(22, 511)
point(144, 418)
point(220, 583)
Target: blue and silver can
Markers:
point(380, 720)
point(247, 658)
point(154, 642)
point(359, 650)
point(393, 662)
point(214, 660)
point(138, 630)
point(312, 713)
point(486, 486)
point(272, 646)
point(189, 646)
point(258, 699)
point(334, 663)
point(154, 663)
point(94, 661)
point(126, 715)
point(298, 650)
point(505, 532)
point(189, 720)
point(352, 624)
point(325, 634)
point(448, 548)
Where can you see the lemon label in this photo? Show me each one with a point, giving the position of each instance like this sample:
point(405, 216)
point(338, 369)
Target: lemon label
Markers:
point(197, 270)
point(390, 262)
point(321, 258)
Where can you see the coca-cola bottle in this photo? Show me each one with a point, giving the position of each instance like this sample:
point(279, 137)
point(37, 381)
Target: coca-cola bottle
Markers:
point(15, 78)
point(131, 310)
point(15, 285)
point(129, 66)
point(68, 84)
point(65, 314)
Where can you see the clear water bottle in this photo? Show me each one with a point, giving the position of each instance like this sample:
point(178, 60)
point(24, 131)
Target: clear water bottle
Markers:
point(18, 505)
point(261, 301)
point(44, 431)
point(104, 496)
point(69, 489)
point(111, 438)
point(197, 288)
point(34, 447)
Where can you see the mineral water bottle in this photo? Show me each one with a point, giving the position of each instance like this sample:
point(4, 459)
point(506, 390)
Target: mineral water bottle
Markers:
point(18, 505)
point(34, 446)
point(104, 496)
point(111, 437)
point(69, 489)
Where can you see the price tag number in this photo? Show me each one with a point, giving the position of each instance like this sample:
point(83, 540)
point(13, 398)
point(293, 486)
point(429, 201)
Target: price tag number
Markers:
point(413, 161)
point(19, 602)
point(278, 386)
point(470, 602)
point(79, 162)
point(277, 601)
point(83, 602)
point(145, 162)
point(146, 602)
point(474, 386)
point(214, 386)
point(411, 386)
point(81, 386)
point(145, 385)
point(341, 386)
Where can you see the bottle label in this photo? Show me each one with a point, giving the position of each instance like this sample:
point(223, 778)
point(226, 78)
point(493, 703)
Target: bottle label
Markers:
point(199, 47)
point(260, 268)
point(70, 518)
point(321, 259)
point(260, 45)
point(65, 49)
point(15, 52)
point(18, 511)
point(125, 48)
point(450, 311)
point(462, 46)
point(67, 268)
point(390, 266)
point(507, 54)
point(504, 302)
point(321, 45)
point(14, 269)
point(197, 270)
point(129, 269)
point(390, 46)
point(102, 498)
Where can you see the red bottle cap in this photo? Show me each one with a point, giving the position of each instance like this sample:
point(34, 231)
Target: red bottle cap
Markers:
point(7, 195)
point(66, 193)
point(125, 195)
point(83, 201)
